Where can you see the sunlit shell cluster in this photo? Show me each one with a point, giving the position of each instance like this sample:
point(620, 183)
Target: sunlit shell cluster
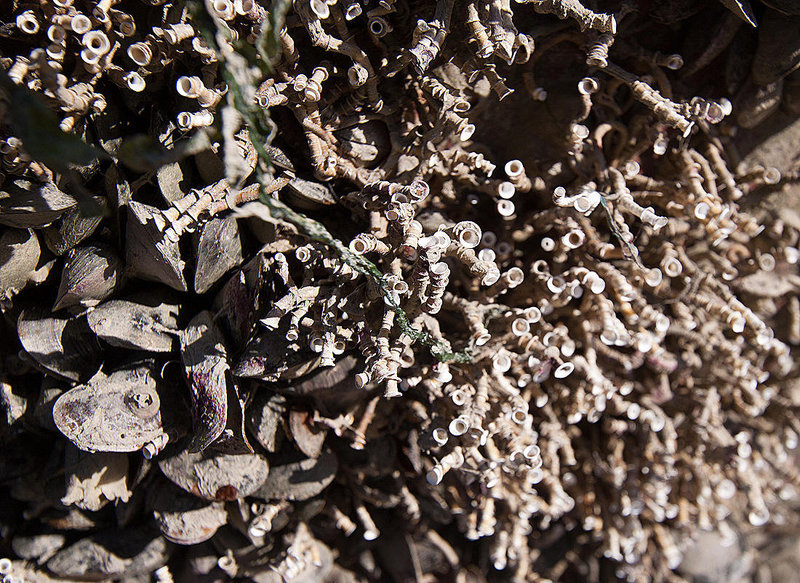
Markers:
point(389, 291)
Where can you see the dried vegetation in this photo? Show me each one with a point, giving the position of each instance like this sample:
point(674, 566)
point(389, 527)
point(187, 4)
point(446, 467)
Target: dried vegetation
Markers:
point(412, 291)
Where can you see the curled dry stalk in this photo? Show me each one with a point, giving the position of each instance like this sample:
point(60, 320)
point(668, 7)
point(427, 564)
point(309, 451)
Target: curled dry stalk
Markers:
point(237, 61)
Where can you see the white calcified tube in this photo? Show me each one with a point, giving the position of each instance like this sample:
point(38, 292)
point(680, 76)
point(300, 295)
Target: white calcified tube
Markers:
point(57, 34)
point(467, 132)
point(459, 398)
point(520, 327)
point(501, 362)
point(506, 208)
point(189, 86)
point(223, 8)
point(257, 527)
point(393, 212)
point(533, 314)
point(515, 459)
point(313, 90)
point(556, 284)
point(362, 379)
point(401, 287)
point(560, 197)
point(631, 169)
point(8, 148)
point(299, 82)
point(491, 277)
point(766, 261)
point(580, 131)
point(514, 169)
point(458, 426)
point(408, 248)
point(96, 41)
point(178, 33)
point(514, 277)
point(575, 289)
point(339, 346)
point(135, 82)
point(243, 7)
point(99, 103)
point(499, 551)
point(644, 342)
point(487, 255)
point(292, 333)
point(441, 240)
point(726, 489)
point(467, 233)
point(327, 354)
point(646, 215)
point(316, 344)
point(737, 322)
point(541, 369)
point(149, 450)
point(80, 24)
point(539, 94)
point(653, 277)
point(701, 210)
point(352, 9)
point(27, 22)
point(100, 10)
point(671, 266)
point(440, 273)
point(586, 202)
point(506, 190)
point(440, 436)
point(443, 374)
point(662, 323)
point(596, 283)
point(463, 106)
point(362, 244)
point(125, 24)
point(357, 75)
point(454, 459)
point(532, 452)
point(772, 175)
point(56, 51)
point(519, 416)
point(609, 336)
point(540, 267)
point(140, 53)
point(320, 8)
point(535, 475)
point(208, 98)
point(649, 217)
point(588, 85)
point(379, 26)
point(573, 239)
point(433, 305)
point(758, 516)
point(206, 53)
point(89, 57)
point(371, 531)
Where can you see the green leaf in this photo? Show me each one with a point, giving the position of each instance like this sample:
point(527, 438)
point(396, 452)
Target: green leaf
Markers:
point(143, 153)
point(37, 126)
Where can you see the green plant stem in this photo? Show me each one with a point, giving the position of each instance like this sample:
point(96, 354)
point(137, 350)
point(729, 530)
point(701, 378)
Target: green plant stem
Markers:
point(256, 119)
